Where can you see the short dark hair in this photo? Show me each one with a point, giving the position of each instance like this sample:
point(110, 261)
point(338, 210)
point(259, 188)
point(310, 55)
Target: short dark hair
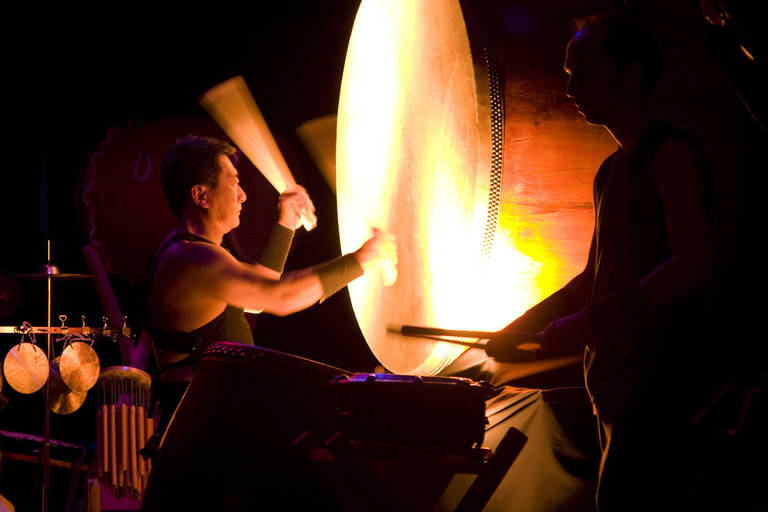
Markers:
point(628, 40)
point(192, 160)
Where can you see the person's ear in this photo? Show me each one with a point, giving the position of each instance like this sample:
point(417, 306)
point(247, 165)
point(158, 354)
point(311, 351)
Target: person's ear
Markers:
point(199, 195)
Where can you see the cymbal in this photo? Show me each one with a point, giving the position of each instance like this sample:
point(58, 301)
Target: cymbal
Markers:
point(79, 366)
point(26, 368)
point(62, 399)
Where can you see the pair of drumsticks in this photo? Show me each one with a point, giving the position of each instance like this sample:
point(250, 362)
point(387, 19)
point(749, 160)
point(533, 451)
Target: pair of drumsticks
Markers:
point(231, 105)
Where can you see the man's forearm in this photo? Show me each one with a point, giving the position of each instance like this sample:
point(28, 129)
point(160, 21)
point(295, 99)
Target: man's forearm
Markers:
point(565, 301)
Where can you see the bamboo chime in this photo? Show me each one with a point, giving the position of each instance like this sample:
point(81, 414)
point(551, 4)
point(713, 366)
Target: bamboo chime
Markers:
point(123, 428)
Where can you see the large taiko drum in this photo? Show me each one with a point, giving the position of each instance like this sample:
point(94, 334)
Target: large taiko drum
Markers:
point(244, 435)
point(123, 425)
point(482, 173)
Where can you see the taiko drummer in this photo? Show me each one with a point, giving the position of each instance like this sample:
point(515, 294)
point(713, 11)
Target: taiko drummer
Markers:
point(198, 291)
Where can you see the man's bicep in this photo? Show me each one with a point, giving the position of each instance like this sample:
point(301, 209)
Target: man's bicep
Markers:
point(235, 282)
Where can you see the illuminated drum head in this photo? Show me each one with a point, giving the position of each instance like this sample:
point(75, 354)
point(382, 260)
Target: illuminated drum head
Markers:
point(413, 158)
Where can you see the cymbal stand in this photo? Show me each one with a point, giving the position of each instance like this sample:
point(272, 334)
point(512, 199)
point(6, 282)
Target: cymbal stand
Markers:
point(50, 271)
point(45, 458)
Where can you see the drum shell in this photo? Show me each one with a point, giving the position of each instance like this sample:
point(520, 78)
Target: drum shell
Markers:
point(432, 411)
point(236, 425)
point(253, 391)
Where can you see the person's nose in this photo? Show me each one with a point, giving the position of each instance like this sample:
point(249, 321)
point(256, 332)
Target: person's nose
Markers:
point(241, 197)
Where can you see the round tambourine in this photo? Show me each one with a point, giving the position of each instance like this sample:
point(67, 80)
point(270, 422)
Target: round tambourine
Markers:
point(79, 366)
point(26, 367)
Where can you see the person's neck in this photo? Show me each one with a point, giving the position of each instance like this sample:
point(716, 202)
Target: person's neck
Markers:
point(199, 228)
point(629, 124)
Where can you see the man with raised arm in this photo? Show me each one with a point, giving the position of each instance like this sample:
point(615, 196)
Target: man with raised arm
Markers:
point(198, 292)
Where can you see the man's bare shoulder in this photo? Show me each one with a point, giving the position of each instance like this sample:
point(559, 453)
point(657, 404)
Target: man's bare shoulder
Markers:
point(194, 253)
point(194, 262)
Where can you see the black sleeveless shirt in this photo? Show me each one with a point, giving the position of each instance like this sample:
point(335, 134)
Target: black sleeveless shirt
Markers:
point(230, 325)
point(630, 240)
point(630, 225)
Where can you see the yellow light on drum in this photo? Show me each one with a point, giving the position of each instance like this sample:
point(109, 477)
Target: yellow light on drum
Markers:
point(408, 161)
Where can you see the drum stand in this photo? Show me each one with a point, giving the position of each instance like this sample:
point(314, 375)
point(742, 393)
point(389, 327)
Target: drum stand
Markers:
point(355, 471)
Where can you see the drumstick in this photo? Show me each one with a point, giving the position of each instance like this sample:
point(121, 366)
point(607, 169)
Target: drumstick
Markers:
point(231, 105)
point(522, 337)
point(527, 341)
point(319, 138)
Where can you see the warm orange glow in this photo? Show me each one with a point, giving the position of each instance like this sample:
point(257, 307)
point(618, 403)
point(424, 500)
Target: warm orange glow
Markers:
point(546, 211)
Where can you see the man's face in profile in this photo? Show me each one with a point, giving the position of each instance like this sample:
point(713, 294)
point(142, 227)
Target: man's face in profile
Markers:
point(227, 196)
point(594, 82)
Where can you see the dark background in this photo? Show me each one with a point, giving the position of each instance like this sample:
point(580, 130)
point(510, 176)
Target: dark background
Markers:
point(71, 76)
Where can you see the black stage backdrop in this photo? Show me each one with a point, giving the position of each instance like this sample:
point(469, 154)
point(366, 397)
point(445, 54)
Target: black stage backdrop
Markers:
point(72, 75)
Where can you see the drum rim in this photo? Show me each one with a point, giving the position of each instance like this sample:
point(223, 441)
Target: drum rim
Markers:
point(110, 371)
